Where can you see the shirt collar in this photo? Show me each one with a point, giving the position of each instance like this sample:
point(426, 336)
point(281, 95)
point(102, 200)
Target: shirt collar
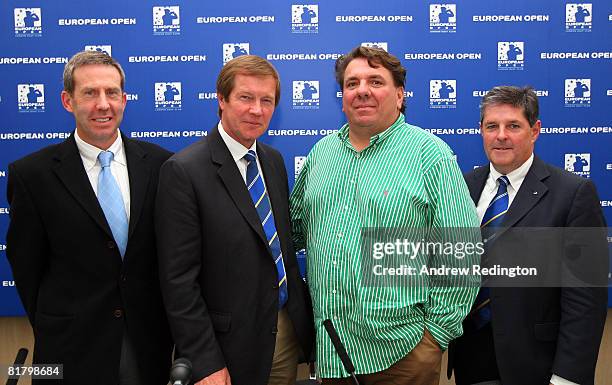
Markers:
point(89, 153)
point(235, 148)
point(343, 133)
point(516, 177)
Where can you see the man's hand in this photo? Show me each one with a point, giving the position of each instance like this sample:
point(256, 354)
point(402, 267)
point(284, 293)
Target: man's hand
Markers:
point(220, 377)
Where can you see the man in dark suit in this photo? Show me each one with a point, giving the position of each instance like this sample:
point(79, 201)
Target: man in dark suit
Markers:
point(237, 307)
point(529, 335)
point(81, 240)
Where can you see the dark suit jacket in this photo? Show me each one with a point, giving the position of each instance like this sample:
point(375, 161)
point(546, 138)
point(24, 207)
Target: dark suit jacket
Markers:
point(218, 276)
point(77, 292)
point(546, 330)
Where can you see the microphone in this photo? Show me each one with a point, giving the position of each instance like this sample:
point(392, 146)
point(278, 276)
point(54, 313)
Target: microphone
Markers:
point(335, 339)
point(19, 361)
point(180, 373)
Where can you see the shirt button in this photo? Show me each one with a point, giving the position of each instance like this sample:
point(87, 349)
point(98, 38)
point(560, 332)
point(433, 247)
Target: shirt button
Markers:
point(339, 235)
point(334, 262)
point(353, 181)
point(334, 291)
point(346, 207)
point(118, 313)
point(335, 317)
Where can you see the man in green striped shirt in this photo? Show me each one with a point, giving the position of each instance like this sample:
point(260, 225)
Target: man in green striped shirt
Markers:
point(378, 172)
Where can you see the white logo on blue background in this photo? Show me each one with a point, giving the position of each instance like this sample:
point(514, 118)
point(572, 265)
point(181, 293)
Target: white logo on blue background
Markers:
point(442, 18)
point(233, 50)
point(28, 22)
point(510, 55)
point(578, 17)
point(305, 94)
point(376, 44)
point(443, 93)
point(298, 162)
point(168, 96)
point(579, 164)
point(107, 49)
point(577, 92)
point(305, 18)
point(31, 97)
point(166, 20)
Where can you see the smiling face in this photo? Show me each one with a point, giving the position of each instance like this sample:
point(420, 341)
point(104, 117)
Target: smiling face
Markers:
point(97, 103)
point(507, 136)
point(248, 109)
point(370, 99)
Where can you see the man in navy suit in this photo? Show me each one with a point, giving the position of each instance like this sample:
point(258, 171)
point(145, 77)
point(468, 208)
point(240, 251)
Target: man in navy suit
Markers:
point(236, 304)
point(530, 335)
point(87, 276)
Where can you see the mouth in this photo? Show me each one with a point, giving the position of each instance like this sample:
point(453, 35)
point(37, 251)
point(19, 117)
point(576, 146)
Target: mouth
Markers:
point(102, 120)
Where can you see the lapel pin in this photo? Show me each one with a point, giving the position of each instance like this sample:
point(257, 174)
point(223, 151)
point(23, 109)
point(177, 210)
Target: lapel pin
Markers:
point(535, 193)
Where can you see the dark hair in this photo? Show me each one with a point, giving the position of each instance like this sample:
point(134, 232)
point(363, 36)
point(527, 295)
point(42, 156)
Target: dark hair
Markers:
point(249, 65)
point(89, 58)
point(376, 57)
point(524, 98)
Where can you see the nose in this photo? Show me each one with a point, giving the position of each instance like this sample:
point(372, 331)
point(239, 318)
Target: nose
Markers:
point(256, 108)
point(103, 102)
point(502, 134)
point(363, 90)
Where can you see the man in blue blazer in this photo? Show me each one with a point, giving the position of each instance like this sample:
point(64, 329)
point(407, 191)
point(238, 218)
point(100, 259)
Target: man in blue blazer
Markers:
point(530, 335)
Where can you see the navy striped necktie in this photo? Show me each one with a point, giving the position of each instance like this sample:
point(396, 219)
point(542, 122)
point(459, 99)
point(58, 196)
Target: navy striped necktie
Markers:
point(259, 194)
point(492, 219)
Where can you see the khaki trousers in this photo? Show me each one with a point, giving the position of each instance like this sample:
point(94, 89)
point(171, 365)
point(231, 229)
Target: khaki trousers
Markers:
point(420, 367)
point(286, 350)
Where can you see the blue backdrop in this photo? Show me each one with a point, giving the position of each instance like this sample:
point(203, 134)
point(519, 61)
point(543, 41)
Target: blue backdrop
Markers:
point(172, 52)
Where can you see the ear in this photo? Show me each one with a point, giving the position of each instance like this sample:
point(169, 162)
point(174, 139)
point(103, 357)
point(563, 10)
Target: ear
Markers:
point(535, 131)
point(67, 101)
point(400, 97)
point(124, 101)
point(221, 101)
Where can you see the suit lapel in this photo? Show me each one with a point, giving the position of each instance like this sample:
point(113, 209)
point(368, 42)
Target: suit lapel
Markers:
point(139, 174)
point(271, 176)
point(234, 184)
point(69, 169)
point(476, 181)
point(530, 193)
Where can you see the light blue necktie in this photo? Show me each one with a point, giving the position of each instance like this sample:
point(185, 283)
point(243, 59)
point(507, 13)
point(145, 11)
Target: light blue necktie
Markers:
point(492, 219)
point(259, 194)
point(111, 202)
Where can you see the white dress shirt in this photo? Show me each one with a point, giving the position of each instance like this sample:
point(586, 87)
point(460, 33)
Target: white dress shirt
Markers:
point(516, 178)
point(238, 152)
point(89, 156)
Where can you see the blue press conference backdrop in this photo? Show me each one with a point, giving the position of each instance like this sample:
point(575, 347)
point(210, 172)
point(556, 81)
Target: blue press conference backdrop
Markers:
point(172, 52)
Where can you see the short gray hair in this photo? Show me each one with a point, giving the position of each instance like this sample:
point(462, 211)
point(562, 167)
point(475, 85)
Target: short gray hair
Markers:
point(524, 98)
point(89, 58)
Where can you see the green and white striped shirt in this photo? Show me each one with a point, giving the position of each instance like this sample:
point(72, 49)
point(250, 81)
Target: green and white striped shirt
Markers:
point(405, 178)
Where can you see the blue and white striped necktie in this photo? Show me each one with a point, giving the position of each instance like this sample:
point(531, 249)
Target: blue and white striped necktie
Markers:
point(492, 219)
point(259, 194)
